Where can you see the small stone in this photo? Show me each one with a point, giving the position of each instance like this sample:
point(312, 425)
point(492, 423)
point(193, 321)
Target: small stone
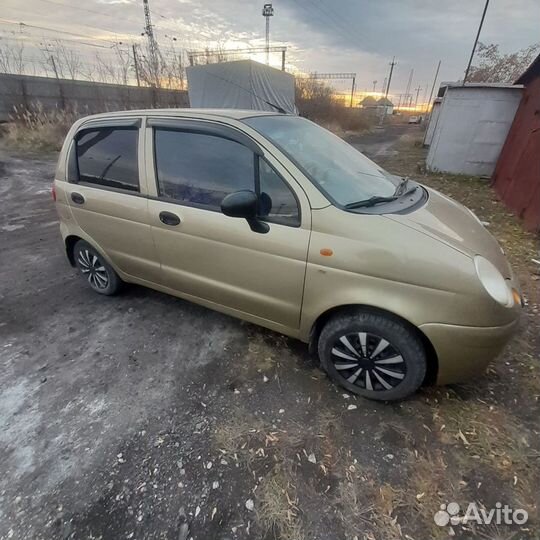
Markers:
point(197, 511)
point(281, 411)
point(215, 484)
point(265, 378)
point(352, 407)
point(311, 458)
point(250, 505)
point(209, 465)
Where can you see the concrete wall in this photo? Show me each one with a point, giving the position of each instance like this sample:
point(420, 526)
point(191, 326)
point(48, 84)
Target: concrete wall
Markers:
point(471, 129)
point(86, 97)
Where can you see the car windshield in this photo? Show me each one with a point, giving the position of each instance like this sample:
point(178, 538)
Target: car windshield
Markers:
point(340, 171)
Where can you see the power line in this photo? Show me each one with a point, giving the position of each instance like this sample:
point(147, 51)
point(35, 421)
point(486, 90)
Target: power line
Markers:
point(73, 41)
point(79, 24)
point(22, 25)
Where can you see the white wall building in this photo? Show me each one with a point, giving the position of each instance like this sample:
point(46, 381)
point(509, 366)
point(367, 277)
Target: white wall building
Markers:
point(471, 126)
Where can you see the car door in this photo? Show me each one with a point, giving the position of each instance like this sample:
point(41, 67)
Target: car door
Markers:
point(107, 194)
point(208, 256)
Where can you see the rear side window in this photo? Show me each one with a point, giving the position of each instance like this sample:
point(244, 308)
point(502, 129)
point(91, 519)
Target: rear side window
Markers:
point(200, 170)
point(108, 157)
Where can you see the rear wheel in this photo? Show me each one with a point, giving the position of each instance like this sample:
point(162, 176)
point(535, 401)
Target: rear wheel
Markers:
point(372, 355)
point(97, 272)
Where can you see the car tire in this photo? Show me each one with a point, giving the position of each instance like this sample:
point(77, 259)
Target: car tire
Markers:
point(372, 355)
point(97, 272)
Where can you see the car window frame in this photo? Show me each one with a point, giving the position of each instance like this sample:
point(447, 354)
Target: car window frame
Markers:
point(214, 129)
point(73, 173)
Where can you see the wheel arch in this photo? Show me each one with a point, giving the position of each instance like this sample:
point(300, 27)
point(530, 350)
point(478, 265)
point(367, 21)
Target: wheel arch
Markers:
point(72, 239)
point(69, 243)
point(433, 362)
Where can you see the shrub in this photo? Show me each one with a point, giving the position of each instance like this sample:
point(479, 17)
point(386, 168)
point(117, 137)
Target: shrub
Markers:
point(38, 130)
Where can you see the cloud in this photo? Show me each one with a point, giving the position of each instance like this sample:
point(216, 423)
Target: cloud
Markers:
point(322, 35)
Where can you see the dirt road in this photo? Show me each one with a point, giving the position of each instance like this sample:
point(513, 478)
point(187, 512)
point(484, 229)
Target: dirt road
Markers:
point(144, 416)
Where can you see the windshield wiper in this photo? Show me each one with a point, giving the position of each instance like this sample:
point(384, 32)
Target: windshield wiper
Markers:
point(372, 201)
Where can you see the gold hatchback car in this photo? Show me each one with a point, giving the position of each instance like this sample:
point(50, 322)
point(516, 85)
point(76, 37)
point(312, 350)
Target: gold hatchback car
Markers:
point(271, 218)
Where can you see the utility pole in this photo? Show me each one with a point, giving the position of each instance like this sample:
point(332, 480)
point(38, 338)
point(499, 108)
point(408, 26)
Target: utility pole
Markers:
point(152, 43)
point(53, 63)
point(425, 94)
point(418, 88)
point(283, 52)
point(352, 89)
point(268, 11)
point(392, 64)
point(408, 91)
point(136, 64)
point(433, 87)
point(475, 42)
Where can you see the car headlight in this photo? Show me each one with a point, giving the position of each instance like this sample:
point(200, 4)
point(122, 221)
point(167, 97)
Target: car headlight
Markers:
point(493, 281)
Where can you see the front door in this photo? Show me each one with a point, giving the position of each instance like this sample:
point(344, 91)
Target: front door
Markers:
point(107, 195)
point(207, 255)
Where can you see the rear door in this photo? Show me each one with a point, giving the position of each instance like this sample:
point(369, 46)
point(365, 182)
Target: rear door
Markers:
point(107, 194)
point(207, 255)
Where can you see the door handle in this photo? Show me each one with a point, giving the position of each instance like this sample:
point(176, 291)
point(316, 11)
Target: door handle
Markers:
point(169, 218)
point(77, 198)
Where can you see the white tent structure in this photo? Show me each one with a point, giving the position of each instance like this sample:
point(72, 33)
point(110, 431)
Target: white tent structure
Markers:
point(243, 84)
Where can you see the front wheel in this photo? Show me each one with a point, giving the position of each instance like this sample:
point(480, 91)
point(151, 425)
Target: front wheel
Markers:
point(372, 355)
point(98, 273)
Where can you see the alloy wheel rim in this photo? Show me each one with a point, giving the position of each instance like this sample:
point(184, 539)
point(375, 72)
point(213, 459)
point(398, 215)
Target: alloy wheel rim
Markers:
point(93, 269)
point(368, 361)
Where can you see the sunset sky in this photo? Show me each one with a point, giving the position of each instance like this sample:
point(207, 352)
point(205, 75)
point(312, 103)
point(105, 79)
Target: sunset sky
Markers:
point(322, 35)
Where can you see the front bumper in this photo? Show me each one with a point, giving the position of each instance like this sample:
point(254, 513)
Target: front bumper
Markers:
point(465, 351)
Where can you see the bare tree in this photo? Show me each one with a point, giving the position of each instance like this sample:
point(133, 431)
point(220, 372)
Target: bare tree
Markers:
point(12, 59)
point(60, 61)
point(494, 66)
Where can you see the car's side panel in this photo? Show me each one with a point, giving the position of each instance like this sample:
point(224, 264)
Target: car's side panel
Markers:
point(116, 221)
point(221, 260)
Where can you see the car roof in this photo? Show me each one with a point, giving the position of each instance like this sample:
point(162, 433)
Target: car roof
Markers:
point(237, 114)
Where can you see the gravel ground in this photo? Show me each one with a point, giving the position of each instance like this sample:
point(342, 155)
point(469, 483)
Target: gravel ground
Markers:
point(144, 416)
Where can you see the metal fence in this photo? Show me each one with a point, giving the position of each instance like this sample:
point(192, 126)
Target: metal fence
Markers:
point(24, 91)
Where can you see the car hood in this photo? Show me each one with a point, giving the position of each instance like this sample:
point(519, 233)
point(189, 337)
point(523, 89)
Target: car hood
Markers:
point(446, 220)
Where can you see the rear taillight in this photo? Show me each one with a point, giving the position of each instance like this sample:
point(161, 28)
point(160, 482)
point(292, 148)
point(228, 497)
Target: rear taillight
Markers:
point(53, 193)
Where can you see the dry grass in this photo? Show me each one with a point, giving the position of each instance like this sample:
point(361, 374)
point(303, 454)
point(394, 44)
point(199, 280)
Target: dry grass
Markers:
point(487, 434)
point(37, 129)
point(277, 511)
point(367, 510)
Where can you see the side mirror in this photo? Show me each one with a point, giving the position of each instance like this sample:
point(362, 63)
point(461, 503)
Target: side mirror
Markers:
point(244, 204)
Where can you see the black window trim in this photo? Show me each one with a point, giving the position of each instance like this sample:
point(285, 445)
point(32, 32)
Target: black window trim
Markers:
point(73, 173)
point(224, 132)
